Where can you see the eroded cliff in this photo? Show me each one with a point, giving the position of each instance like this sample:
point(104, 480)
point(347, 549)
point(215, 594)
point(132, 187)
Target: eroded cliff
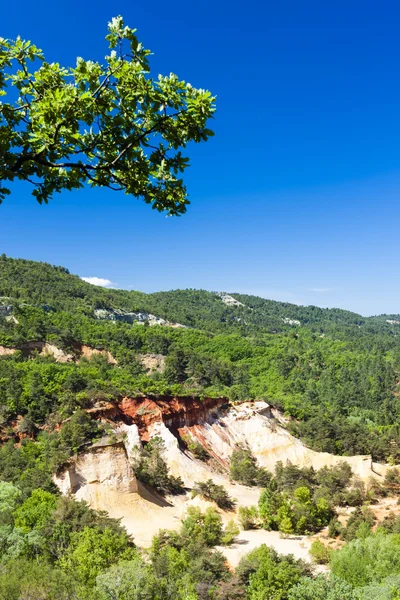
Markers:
point(103, 475)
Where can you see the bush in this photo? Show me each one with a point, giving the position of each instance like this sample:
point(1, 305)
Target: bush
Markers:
point(335, 479)
point(151, 468)
point(361, 516)
point(128, 579)
point(248, 517)
point(322, 588)
point(230, 533)
point(269, 575)
point(319, 552)
point(289, 477)
point(195, 448)
point(392, 480)
point(353, 497)
point(335, 528)
point(244, 469)
point(388, 589)
point(286, 526)
point(390, 524)
point(230, 590)
point(216, 493)
point(204, 527)
point(35, 511)
point(369, 560)
point(36, 580)
point(92, 550)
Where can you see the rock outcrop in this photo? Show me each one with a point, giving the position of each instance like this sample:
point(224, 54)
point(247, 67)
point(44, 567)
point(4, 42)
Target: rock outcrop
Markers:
point(29, 349)
point(42, 348)
point(138, 318)
point(152, 363)
point(255, 425)
point(175, 412)
point(221, 427)
point(101, 468)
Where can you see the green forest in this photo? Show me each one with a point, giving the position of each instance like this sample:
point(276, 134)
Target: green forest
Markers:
point(334, 374)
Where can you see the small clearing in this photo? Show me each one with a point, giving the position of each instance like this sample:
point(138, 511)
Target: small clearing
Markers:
point(299, 546)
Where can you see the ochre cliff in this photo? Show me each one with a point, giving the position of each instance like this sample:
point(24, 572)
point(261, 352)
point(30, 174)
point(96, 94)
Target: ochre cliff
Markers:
point(175, 412)
point(104, 476)
point(105, 465)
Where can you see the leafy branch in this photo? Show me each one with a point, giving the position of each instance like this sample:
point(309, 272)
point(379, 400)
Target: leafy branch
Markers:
point(107, 125)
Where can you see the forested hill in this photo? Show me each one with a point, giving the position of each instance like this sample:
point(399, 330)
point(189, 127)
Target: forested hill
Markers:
point(335, 372)
point(41, 284)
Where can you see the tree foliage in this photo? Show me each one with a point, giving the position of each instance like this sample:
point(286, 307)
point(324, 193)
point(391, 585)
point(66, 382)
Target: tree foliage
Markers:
point(110, 125)
point(151, 468)
point(213, 492)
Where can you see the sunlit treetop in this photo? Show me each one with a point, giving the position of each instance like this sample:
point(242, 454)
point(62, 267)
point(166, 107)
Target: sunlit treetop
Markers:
point(109, 125)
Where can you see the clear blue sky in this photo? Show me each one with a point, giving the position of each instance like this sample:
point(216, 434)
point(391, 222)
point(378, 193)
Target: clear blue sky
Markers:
point(297, 198)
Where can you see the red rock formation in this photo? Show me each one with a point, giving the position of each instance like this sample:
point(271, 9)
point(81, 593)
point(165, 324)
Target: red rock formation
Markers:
point(177, 412)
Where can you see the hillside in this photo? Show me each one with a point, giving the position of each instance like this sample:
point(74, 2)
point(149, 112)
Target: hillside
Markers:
point(43, 284)
point(230, 420)
point(335, 373)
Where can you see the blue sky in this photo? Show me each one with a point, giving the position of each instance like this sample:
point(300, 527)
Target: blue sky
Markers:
point(297, 196)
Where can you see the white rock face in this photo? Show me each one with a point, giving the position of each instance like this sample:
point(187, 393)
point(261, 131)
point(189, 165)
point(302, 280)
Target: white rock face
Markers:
point(153, 363)
point(132, 317)
point(93, 473)
point(253, 424)
point(179, 463)
point(192, 470)
point(43, 348)
point(229, 300)
point(290, 321)
point(131, 437)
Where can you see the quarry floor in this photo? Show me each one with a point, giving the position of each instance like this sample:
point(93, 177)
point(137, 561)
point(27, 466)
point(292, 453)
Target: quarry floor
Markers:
point(248, 540)
point(144, 515)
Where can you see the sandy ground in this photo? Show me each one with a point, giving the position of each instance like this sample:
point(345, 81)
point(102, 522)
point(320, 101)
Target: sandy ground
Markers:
point(145, 514)
point(248, 540)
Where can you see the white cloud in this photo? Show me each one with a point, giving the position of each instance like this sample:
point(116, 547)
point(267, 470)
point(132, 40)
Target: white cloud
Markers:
point(98, 281)
point(320, 290)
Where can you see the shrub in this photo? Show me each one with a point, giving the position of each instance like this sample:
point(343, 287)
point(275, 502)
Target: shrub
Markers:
point(392, 480)
point(216, 493)
point(353, 497)
point(322, 588)
point(391, 523)
point(269, 575)
point(195, 448)
point(368, 560)
point(360, 516)
point(319, 552)
point(230, 533)
point(34, 512)
point(335, 528)
point(244, 469)
point(151, 468)
point(248, 517)
point(204, 527)
point(286, 527)
point(230, 590)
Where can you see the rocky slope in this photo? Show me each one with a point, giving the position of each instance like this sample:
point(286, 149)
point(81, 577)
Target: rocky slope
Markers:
point(103, 474)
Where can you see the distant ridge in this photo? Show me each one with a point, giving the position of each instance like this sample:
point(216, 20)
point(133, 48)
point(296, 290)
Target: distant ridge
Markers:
point(42, 284)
